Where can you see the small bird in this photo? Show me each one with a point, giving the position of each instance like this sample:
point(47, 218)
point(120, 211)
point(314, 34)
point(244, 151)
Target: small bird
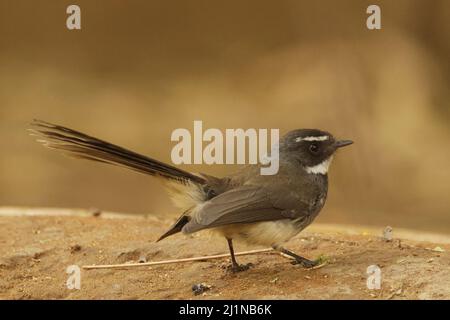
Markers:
point(258, 209)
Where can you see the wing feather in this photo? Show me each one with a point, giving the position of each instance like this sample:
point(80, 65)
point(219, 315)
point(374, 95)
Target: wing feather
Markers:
point(245, 204)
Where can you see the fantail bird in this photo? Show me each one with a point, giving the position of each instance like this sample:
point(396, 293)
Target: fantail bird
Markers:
point(258, 209)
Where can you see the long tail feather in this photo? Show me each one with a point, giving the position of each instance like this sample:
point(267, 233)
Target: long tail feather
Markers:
point(80, 145)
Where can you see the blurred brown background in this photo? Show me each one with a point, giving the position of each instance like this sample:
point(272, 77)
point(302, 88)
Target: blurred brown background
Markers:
point(139, 69)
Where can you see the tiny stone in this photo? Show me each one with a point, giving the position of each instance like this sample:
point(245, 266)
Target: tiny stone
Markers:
point(96, 212)
point(200, 288)
point(75, 248)
point(387, 234)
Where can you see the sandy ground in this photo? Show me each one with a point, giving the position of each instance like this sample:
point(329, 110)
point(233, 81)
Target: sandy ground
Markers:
point(36, 247)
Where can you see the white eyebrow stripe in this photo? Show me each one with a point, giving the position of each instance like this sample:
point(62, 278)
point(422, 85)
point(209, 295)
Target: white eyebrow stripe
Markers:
point(311, 138)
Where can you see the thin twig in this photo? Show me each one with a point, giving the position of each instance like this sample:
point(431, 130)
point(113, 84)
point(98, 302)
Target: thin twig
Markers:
point(155, 263)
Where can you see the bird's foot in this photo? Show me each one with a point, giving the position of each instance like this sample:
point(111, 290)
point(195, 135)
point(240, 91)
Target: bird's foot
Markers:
point(305, 263)
point(235, 268)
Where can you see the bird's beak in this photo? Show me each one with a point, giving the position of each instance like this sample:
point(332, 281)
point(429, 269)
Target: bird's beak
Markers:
point(342, 143)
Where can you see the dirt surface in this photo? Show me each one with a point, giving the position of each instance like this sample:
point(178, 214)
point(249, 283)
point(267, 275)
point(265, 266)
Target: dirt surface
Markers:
point(38, 246)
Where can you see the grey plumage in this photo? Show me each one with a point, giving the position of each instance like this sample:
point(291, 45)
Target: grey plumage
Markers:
point(263, 198)
point(259, 209)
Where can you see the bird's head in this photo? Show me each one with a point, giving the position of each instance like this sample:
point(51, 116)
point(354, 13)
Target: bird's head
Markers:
point(313, 149)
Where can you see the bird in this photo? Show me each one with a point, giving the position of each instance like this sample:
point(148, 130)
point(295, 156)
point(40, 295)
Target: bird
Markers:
point(245, 206)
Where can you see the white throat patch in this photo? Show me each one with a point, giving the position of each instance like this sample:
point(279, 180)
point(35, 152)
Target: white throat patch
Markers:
point(321, 168)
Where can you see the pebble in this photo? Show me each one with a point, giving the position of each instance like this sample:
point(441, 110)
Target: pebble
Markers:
point(200, 288)
point(75, 248)
point(387, 234)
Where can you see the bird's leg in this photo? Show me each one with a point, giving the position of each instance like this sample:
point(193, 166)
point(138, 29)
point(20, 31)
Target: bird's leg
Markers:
point(235, 267)
point(298, 259)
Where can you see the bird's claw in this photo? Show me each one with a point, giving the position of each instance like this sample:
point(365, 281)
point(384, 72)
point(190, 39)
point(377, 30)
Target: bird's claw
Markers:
point(240, 267)
point(305, 263)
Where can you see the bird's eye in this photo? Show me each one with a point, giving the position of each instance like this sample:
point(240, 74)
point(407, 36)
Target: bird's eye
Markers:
point(314, 148)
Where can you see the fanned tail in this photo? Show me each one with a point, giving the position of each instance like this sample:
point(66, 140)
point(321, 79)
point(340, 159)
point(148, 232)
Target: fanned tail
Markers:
point(80, 145)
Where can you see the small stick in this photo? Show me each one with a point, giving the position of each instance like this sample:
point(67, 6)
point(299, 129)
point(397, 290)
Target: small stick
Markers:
point(155, 263)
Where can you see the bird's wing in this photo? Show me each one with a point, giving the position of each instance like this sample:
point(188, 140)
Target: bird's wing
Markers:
point(245, 204)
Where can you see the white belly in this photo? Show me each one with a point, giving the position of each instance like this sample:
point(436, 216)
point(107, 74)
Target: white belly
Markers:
point(270, 233)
